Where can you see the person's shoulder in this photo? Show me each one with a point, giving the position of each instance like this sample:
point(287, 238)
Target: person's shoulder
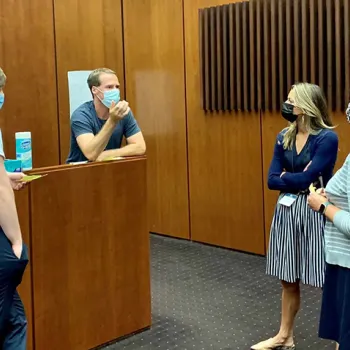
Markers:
point(347, 162)
point(129, 118)
point(84, 111)
point(130, 115)
point(280, 135)
point(327, 135)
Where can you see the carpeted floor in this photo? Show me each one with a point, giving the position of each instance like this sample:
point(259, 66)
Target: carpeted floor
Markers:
point(210, 298)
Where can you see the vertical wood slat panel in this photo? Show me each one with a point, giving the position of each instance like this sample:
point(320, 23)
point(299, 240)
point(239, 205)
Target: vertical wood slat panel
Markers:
point(347, 51)
point(248, 49)
point(238, 10)
point(219, 57)
point(201, 56)
point(296, 41)
point(259, 56)
point(313, 31)
point(339, 74)
point(305, 40)
point(213, 60)
point(321, 48)
point(330, 53)
point(289, 43)
point(225, 54)
point(267, 57)
point(232, 41)
point(252, 90)
point(245, 29)
point(274, 92)
point(281, 52)
point(206, 60)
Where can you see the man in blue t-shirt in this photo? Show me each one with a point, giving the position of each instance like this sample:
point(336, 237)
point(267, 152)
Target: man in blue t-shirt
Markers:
point(98, 126)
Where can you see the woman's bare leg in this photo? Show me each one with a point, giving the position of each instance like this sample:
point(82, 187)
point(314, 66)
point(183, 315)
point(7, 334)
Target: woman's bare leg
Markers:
point(290, 307)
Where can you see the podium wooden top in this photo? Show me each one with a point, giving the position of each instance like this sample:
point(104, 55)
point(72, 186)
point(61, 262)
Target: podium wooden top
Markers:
point(54, 168)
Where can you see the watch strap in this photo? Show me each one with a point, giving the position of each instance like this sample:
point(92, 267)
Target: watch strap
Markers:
point(324, 207)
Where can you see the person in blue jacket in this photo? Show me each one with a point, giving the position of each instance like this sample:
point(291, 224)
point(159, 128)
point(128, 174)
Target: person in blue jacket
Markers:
point(13, 256)
point(305, 153)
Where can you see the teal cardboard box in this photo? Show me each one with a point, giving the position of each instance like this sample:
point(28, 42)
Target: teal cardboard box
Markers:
point(13, 165)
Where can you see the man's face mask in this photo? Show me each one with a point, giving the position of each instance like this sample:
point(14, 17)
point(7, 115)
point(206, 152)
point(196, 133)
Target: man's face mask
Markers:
point(109, 96)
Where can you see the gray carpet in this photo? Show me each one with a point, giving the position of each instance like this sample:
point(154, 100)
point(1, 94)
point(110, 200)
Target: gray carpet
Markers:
point(210, 298)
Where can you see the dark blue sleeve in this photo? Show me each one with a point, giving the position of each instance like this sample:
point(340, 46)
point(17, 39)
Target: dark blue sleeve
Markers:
point(130, 125)
point(323, 159)
point(81, 123)
point(275, 182)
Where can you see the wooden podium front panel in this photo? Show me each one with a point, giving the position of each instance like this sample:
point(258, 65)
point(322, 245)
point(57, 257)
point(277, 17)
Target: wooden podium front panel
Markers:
point(90, 255)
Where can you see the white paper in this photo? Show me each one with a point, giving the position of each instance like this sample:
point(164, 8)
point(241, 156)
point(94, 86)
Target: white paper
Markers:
point(79, 91)
point(288, 199)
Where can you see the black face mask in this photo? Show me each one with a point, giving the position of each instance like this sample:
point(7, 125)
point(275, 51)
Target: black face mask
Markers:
point(287, 112)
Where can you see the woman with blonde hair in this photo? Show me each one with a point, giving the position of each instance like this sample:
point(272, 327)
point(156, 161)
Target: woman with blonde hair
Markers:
point(304, 153)
point(334, 203)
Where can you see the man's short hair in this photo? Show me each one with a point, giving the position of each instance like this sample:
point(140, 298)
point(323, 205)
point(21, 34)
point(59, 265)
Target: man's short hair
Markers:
point(94, 77)
point(2, 79)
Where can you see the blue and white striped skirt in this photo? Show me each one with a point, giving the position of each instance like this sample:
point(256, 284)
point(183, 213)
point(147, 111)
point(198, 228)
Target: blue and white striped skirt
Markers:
point(296, 249)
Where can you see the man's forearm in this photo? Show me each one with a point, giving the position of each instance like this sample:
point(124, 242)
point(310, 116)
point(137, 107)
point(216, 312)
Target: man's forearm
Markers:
point(129, 150)
point(8, 214)
point(100, 141)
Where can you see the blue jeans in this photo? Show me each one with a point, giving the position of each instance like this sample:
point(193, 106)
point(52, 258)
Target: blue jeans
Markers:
point(13, 322)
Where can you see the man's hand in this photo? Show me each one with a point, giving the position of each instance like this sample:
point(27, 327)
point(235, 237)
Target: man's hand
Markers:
point(17, 248)
point(16, 180)
point(119, 111)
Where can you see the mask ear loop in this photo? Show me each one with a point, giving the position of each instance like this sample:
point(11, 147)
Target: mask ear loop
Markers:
point(100, 92)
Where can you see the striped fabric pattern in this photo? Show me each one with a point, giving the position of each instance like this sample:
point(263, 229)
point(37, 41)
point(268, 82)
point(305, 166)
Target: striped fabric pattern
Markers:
point(296, 250)
point(337, 234)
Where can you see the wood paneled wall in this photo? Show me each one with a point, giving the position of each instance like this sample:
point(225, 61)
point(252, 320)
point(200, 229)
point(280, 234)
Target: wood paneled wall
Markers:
point(89, 35)
point(230, 49)
point(225, 165)
point(155, 89)
point(27, 55)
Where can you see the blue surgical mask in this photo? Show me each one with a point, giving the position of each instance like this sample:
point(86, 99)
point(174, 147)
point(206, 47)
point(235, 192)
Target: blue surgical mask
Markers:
point(109, 96)
point(2, 100)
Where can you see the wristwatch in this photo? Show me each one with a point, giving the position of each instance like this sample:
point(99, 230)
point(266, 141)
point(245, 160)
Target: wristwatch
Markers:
point(323, 207)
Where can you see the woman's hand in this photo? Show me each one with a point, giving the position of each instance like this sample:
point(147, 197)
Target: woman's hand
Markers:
point(315, 200)
point(16, 180)
point(322, 192)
